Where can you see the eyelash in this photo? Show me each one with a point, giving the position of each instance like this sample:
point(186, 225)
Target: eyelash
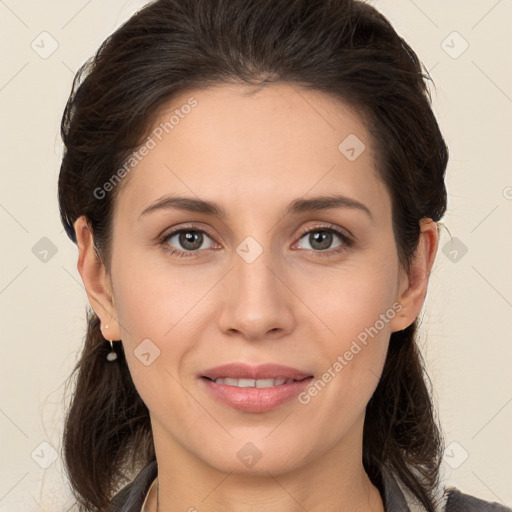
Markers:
point(347, 242)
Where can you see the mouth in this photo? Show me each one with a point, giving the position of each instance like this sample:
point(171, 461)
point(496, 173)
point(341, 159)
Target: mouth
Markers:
point(246, 373)
point(255, 383)
point(254, 389)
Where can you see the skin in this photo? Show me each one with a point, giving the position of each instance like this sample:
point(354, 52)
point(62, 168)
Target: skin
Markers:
point(254, 154)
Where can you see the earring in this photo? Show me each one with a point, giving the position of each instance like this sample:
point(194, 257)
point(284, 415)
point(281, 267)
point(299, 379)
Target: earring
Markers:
point(111, 356)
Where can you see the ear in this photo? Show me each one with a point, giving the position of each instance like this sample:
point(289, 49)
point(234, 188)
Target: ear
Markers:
point(96, 280)
point(413, 286)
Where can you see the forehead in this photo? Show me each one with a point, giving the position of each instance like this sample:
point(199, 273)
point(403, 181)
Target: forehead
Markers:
point(235, 143)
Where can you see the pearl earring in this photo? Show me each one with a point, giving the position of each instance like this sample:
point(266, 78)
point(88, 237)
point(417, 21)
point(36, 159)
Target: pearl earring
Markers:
point(111, 356)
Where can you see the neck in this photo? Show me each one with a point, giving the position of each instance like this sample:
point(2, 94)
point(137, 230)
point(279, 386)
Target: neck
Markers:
point(332, 482)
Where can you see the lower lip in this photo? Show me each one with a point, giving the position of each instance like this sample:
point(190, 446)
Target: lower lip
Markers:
point(255, 399)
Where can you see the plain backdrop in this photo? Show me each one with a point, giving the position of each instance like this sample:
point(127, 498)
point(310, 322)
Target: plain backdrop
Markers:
point(465, 336)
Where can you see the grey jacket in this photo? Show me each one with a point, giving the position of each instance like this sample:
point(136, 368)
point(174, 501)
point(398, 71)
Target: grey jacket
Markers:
point(131, 497)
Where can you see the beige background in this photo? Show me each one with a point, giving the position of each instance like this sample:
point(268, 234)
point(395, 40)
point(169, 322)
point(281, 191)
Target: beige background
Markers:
point(466, 326)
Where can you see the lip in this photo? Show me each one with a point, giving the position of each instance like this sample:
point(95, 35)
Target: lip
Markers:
point(262, 371)
point(252, 399)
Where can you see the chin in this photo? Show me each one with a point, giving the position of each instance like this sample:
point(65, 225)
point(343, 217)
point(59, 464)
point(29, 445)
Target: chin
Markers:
point(258, 458)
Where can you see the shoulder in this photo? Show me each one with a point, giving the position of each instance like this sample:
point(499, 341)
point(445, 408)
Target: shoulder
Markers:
point(457, 501)
point(398, 498)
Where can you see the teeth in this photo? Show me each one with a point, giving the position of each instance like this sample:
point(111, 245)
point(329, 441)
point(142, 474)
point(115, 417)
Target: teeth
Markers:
point(253, 383)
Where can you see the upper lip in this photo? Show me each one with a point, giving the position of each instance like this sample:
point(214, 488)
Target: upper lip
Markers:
point(262, 371)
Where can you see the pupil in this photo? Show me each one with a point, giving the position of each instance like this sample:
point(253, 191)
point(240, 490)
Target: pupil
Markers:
point(323, 237)
point(191, 240)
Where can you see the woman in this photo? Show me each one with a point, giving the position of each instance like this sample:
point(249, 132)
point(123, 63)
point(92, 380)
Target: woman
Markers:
point(255, 189)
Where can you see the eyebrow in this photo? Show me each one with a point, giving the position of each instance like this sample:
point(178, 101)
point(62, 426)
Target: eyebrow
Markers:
point(295, 207)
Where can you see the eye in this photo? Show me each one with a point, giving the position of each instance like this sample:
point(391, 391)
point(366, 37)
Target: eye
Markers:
point(321, 238)
point(187, 241)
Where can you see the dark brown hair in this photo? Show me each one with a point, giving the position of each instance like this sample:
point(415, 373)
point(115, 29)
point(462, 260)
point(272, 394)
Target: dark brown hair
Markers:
point(344, 48)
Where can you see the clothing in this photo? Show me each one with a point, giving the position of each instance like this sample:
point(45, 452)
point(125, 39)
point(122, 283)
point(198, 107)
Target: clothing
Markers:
point(395, 497)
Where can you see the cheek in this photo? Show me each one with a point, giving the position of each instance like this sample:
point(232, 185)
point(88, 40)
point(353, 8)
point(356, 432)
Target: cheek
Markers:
point(151, 300)
point(367, 310)
point(350, 298)
point(155, 308)
point(357, 305)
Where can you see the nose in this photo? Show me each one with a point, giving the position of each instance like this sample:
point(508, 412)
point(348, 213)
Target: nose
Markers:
point(257, 301)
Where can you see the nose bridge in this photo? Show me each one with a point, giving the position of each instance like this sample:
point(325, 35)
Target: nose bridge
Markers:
point(256, 301)
point(252, 265)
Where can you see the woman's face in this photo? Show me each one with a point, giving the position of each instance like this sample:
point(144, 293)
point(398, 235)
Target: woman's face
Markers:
point(267, 282)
